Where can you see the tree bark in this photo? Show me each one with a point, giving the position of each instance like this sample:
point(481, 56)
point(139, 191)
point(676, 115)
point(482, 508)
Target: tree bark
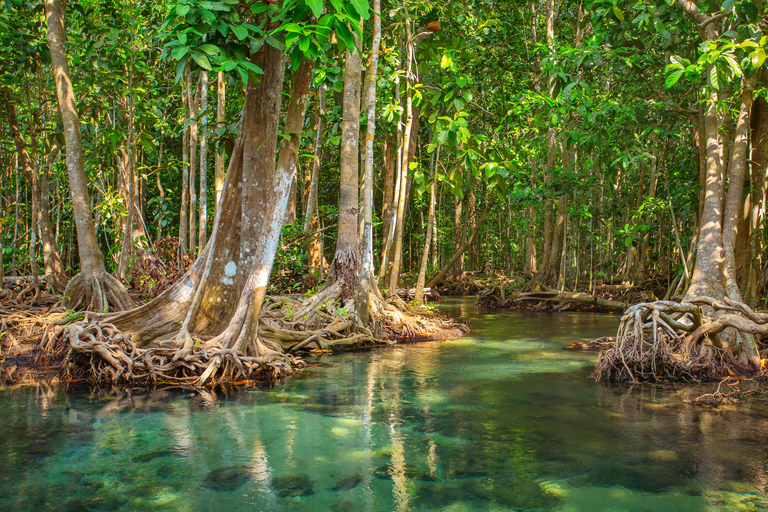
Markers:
point(297, 107)
point(737, 172)
point(419, 297)
point(185, 171)
point(220, 119)
point(93, 288)
point(193, 97)
point(367, 150)
point(346, 261)
point(203, 224)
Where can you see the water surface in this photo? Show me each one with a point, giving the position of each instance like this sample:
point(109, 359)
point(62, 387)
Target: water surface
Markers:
point(502, 419)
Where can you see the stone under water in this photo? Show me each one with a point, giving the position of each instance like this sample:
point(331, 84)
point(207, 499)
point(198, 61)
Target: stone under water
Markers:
point(226, 479)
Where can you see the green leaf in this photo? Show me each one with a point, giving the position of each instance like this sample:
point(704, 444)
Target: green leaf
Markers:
point(673, 78)
point(202, 61)
point(714, 79)
point(296, 56)
point(179, 52)
point(758, 57)
point(180, 70)
point(250, 66)
point(229, 65)
point(181, 10)
point(259, 8)
point(316, 6)
point(343, 33)
point(361, 6)
point(618, 13)
point(210, 49)
point(240, 32)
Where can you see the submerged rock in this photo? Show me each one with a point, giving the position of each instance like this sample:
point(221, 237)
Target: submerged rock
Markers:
point(226, 479)
point(347, 483)
point(410, 472)
point(291, 486)
point(146, 457)
point(345, 506)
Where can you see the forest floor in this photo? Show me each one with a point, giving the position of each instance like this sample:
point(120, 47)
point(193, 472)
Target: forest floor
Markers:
point(496, 290)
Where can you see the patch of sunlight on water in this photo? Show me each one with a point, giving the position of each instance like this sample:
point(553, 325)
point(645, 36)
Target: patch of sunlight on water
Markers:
point(503, 419)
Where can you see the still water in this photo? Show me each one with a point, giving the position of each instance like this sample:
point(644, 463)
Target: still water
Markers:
point(502, 419)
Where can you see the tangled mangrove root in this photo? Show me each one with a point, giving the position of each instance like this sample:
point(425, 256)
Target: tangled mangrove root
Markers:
point(100, 352)
point(25, 290)
point(664, 339)
point(35, 326)
point(97, 351)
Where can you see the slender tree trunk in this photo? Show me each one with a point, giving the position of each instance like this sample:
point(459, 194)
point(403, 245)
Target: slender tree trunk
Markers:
point(346, 261)
point(311, 209)
point(220, 118)
point(289, 151)
point(419, 298)
point(203, 224)
point(193, 96)
point(388, 195)
point(369, 89)
point(397, 247)
point(160, 191)
point(458, 235)
point(93, 288)
point(185, 171)
point(126, 169)
point(737, 172)
point(297, 107)
point(759, 168)
point(311, 219)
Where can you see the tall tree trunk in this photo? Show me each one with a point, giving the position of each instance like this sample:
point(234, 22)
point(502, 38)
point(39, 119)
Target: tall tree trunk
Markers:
point(93, 288)
point(458, 234)
point(369, 103)
point(397, 245)
point(297, 107)
point(193, 96)
point(221, 295)
point(346, 261)
point(203, 224)
point(289, 151)
point(126, 169)
point(220, 118)
point(311, 219)
point(759, 169)
point(388, 195)
point(737, 172)
point(419, 298)
point(185, 171)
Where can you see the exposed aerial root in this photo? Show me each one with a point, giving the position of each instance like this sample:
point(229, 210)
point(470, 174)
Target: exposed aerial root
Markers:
point(24, 290)
point(99, 352)
point(664, 339)
point(100, 293)
point(34, 326)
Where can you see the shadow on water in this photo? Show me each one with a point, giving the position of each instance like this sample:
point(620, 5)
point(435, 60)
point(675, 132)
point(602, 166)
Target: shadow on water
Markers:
point(503, 419)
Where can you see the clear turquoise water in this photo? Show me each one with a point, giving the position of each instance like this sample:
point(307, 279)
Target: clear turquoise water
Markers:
point(503, 419)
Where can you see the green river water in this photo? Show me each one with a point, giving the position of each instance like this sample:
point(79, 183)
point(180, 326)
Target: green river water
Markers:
point(502, 419)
